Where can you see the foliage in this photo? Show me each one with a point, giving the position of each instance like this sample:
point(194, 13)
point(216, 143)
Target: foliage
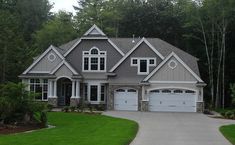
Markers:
point(65, 109)
point(49, 107)
point(74, 129)
point(72, 108)
point(56, 31)
point(228, 132)
point(232, 88)
point(16, 103)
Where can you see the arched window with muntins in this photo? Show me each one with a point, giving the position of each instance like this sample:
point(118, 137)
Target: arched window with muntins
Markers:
point(94, 60)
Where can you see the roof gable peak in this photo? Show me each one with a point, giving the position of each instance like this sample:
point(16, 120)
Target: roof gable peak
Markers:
point(95, 31)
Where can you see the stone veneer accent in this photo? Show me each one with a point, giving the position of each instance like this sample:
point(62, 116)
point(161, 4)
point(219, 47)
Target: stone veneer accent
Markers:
point(74, 101)
point(144, 106)
point(200, 107)
point(53, 101)
point(112, 88)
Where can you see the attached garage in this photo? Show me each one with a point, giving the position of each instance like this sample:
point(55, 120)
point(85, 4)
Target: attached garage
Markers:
point(126, 99)
point(172, 100)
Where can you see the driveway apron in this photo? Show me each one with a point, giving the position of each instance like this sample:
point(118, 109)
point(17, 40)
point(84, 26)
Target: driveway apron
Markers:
point(157, 128)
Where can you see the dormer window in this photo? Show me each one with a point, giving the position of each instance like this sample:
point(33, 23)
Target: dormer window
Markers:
point(94, 60)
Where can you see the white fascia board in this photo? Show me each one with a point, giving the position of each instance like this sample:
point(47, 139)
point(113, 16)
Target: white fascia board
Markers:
point(41, 56)
point(165, 60)
point(94, 27)
point(79, 41)
point(133, 49)
point(66, 64)
point(115, 46)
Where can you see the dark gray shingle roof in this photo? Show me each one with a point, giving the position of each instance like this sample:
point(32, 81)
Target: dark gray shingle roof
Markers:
point(126, 44)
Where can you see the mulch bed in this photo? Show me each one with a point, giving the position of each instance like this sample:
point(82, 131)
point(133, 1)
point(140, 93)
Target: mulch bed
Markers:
point(11, 129)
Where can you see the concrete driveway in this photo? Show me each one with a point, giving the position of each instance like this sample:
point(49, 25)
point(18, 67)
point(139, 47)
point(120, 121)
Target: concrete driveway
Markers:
point(175, 128)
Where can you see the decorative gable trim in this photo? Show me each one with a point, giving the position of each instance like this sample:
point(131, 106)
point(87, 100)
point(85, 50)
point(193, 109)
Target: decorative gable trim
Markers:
point(79, 41)
point(97, 29)
point(64, 62)
point(41, 56)
point(133, 49)
point(179, 60)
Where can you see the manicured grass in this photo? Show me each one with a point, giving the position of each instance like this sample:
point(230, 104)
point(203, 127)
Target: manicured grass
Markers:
point(229, 132)
point(77, 129)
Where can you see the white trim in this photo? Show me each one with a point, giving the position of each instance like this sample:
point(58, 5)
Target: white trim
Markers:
point(169, 64)
point(87, 54)
point(91, 38)
point(94, 27)
point(63, 77)
point(74, 45)
point(41, 56)
point(51, 54)
point(138, 64)
point(115, 46)
point(132, 61)
point(40, 72)
point(147, 67)
point(165, 60)
point(79, 41)
point(174, 82)
point(66, 64)
point(133, 49)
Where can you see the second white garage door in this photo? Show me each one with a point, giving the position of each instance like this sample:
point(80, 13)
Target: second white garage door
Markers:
point(126, 99)
point(172, 100)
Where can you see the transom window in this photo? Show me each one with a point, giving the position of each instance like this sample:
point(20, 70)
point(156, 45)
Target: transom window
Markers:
point(94, 60)
point(143, 64)
point(39, 86)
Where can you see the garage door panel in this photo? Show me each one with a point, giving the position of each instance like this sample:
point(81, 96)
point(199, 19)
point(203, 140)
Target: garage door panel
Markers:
point(172, 102)
point(126, 100)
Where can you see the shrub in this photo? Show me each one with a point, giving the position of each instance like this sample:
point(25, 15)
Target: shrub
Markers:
point(232, 88)
point(72, 108)
point(49, 107)
point(65, 109)
point(43, 118)
point(17, 104)
point(229, 114)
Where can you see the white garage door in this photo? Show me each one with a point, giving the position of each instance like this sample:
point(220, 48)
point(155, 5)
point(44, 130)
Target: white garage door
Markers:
point(126, 99)
point(172, 100)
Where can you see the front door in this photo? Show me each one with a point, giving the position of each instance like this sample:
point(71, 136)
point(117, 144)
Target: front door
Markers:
point(66, 92)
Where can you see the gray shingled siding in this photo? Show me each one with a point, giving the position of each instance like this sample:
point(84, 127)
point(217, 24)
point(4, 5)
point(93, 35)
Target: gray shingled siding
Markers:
point(75, 57)
point(128, 74)
point(45, 65)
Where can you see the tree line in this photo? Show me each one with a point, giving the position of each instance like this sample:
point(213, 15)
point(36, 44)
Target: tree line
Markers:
point(204, 28)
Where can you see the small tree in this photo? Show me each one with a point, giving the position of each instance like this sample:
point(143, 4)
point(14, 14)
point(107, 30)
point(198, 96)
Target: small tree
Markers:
point(17, 104)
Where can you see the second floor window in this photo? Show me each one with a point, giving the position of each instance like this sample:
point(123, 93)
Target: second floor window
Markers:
point(94, 60)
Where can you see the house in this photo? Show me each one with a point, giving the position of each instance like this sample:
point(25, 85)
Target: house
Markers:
point(137, 74)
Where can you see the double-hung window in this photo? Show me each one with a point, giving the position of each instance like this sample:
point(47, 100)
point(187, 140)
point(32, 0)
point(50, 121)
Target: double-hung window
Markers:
point(39, 87)
point(94, 60)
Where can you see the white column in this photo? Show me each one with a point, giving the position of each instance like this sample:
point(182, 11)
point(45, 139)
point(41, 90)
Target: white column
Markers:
point(73, 88)
point(55, 89)
point(98, 92)
point(50, 88)
point(143, 93)
point(77, 89)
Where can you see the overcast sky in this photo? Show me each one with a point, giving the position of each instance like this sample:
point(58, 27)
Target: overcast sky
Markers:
point(64, 5)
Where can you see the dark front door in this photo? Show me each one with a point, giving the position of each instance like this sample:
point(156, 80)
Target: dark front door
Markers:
point(66, 92)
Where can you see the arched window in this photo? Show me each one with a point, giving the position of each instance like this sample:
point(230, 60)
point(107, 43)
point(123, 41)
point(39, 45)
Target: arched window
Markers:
point(94, 60)
point(94, 51)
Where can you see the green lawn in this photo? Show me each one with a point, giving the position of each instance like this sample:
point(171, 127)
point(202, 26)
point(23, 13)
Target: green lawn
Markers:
point(229, 132)
point(77, 129)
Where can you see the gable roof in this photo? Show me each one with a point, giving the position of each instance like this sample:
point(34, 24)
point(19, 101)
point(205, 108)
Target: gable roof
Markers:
point(143, 40)
point(64, 62)
point(94, 30)
point(41, 56)
point(172, 54)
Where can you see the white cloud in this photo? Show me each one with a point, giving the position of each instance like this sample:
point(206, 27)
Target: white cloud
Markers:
point(66, 5)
